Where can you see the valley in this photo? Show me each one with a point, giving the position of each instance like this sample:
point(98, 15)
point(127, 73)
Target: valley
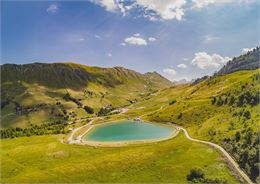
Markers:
point(47, 106)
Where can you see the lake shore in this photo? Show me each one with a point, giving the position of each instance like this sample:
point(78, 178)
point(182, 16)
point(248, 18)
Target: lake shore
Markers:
point(82, 141)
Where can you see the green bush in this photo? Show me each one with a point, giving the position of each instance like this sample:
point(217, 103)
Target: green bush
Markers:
point(88, 109)
point(47, 128)
point(195, 174)
point(172, 102)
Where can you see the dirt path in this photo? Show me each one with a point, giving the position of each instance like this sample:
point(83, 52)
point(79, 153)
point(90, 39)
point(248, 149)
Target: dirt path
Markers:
point(8, 115)
point(70, 139)
point(223, 151)
point(153, 111)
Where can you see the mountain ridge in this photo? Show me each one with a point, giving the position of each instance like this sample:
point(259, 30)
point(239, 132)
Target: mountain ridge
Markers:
point(74, 75)
point(248, 61)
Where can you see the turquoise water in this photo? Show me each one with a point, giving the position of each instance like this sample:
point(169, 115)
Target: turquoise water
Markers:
point(128, 131)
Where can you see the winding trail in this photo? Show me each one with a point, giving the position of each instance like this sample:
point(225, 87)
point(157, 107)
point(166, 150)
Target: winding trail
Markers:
point(216, 146)
point(223, 151)
point(153, 111)
point(70, 139)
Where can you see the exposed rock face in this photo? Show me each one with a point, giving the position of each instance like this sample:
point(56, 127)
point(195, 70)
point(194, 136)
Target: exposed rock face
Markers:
point(248, 61)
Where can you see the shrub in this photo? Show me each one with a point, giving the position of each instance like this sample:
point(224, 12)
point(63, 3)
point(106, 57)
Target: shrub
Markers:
point(180, 116)
point(104, 111)
point(88, 109)
point(67, 97)
point(195, 174)
point(213, 101)
point(237, 136)
point(247, 115)
point(172, 102)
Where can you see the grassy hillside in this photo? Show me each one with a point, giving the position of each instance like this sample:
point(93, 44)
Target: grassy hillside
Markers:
point(222, 109)
point(43, 159)
point(38, 93)
point(76, 76)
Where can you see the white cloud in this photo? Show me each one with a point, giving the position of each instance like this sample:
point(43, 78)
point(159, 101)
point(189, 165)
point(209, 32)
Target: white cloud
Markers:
point(182, 66)
point(53, 8)
point(133, 40)
point(122, 8)
point(109, 5)
point(203, 3)
point(152, 39)
point(167, 9)
point(151, 9)
point(169, 71)
point(210, 38)
point(181, 79)
point(245, 50)
point(206, 61)
point(136, 39)
point(109, 55)
point(159, 9)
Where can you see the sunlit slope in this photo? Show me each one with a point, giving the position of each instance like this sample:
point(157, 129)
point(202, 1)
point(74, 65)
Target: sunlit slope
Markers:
point(76, 76)
point(41, 89)
point(219, 103)
point(222, 109)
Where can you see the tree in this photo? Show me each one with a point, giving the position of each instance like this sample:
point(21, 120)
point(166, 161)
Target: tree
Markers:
point(103, 111)
point(249, 136)
point(88, 109)
point(220, 101)
point(64, 111)
point(237, 136)
point(213, 101)
point(247, 115)
point(195, 174)
point(243, 158)
point(232, 100)
point(180, 115)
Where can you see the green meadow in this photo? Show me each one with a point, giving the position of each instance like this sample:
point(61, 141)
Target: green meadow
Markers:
point(45, 159)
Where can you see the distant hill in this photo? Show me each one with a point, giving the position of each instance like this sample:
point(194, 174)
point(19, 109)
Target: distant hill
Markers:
point(248, 61)
point(76, 76)
point(157, 79)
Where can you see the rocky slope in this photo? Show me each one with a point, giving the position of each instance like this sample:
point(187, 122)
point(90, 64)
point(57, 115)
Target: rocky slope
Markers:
point(248, 61)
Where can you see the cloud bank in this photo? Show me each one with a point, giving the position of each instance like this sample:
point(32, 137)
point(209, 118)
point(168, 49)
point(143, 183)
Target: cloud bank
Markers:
point(160, 9)
point(206, 61)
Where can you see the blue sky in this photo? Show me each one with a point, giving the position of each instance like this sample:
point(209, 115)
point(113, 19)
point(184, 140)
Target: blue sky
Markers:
point(177, 38)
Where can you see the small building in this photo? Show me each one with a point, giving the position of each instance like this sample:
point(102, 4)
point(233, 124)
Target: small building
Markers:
point(137, 119)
